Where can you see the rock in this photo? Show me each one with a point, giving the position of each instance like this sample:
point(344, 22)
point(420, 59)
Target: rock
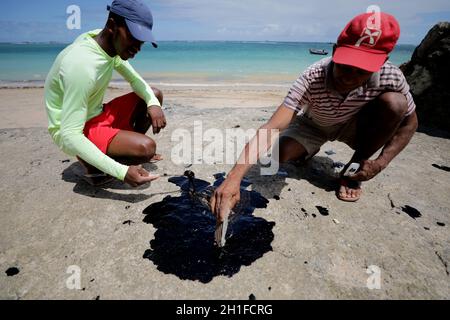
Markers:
point(427, 74)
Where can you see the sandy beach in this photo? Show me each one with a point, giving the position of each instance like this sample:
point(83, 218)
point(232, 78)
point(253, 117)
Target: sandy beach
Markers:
point(51, 219)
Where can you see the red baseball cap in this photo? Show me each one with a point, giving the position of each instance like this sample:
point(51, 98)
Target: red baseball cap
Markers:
point(367, 40)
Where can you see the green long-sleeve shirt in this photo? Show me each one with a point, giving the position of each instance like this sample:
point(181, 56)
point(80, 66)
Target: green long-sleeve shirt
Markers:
point(74, 92)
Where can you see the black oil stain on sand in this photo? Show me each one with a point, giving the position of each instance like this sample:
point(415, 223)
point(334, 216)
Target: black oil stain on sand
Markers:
point(184, 239)
point(411, 211)
point(12, 271)
point(323, 211)
point(445, 168)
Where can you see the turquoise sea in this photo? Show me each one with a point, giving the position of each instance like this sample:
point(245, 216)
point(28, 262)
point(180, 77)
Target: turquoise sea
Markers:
point(187, 62)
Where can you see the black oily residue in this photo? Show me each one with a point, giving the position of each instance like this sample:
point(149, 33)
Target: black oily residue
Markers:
point(412, 212)
point(184, 239)
point(12, 271)
point(323, 211)
point(441, 167)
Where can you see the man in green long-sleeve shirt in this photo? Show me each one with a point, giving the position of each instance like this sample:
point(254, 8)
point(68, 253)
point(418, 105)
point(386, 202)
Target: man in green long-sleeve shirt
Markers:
point(106, 138)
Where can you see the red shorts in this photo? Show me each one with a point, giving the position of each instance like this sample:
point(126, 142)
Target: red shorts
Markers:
point(116, 116)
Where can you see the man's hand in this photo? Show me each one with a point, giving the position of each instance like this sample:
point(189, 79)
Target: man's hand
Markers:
point(225, 198)
point(368, 170)
point(136, 175)
point(157, 117)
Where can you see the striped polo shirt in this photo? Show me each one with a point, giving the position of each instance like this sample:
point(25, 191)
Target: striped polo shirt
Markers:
point(313, 93)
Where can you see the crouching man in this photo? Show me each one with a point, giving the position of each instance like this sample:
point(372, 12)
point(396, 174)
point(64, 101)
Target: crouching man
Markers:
point(108, 139)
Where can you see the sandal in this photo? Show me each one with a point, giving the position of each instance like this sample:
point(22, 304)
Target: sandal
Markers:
point(350, 184)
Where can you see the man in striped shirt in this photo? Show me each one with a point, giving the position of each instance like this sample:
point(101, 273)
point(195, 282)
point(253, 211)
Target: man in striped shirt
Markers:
point(357, 97)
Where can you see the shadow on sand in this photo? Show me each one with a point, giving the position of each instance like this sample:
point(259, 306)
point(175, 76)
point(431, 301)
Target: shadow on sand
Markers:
point(75, 171)
point(319, 171)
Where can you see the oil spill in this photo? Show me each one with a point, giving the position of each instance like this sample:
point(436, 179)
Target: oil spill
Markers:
point(323, 211)
point(412, 212)
point(441, 167)
point(183, 242)
point(441, 224)
point(305, 214)
point(12, 271)
point(251, 297)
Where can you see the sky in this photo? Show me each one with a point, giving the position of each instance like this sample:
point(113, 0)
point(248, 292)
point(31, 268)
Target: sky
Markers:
point(239, 20)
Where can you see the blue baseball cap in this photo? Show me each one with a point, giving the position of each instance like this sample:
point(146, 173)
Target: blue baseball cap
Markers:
point(138, 18)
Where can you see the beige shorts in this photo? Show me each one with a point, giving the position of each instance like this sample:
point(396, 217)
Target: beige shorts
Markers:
point(312, 136)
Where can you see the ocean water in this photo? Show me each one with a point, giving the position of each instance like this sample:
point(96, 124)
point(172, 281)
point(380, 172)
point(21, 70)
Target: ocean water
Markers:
point(188, 62)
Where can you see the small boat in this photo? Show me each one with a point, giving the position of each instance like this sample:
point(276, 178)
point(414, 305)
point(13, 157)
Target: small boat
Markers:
point(318, 51)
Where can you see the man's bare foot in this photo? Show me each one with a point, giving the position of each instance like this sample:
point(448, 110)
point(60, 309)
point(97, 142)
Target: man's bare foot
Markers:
point(349, 190)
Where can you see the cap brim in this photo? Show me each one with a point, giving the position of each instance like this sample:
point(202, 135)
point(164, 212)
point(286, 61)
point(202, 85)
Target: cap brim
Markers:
point(141, 32)
point(367, 60)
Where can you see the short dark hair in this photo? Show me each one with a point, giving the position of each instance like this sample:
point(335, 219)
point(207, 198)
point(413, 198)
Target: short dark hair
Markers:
point(119, 20)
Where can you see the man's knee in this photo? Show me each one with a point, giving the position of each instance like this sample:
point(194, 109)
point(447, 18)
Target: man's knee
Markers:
point(146, 149)
point(159, 95)
point(394, 103)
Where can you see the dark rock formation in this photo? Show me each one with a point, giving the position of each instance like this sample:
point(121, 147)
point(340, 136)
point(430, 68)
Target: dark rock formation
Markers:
point(428, 74)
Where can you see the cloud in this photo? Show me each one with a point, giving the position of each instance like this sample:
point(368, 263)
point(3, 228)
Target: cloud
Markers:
point(277, 20)
point(290, 20)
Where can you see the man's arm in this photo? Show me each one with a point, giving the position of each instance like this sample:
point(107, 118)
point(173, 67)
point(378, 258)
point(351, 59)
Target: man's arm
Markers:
point(227, 195)
point(401, 138)
point(138, 84)
point(143, 90)
point(278, 122)
point(77, 83)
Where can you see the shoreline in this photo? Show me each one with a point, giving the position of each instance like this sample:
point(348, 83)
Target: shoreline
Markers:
point(24, 107)
point(278, 81)
point(236, 85)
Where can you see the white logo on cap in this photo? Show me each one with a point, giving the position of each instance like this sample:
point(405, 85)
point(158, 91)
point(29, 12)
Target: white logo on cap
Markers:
point(372, 32)
point(368, 38)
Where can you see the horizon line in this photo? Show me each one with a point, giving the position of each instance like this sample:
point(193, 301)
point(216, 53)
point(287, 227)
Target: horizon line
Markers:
point(159, 41)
